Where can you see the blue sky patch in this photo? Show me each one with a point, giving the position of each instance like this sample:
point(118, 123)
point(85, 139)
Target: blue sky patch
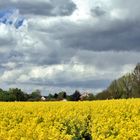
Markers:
point(11, 17)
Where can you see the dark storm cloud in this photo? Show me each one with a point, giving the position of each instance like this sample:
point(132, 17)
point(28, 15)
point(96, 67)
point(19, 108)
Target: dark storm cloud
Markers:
point(49, 58)
point(115, 35)
point(52, 8)
point(85, 84)
point(11, 56)
point(103, 60)
point(76, 84)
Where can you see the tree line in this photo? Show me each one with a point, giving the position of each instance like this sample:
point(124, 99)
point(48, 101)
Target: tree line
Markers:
point(127, 86)
point(15, 94)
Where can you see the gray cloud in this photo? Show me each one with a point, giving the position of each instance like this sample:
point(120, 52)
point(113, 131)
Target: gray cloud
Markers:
point(111, 35)
point(44, 8)
point(6, 42)
point(98, 11)
point(65, 53)
point(91, 84)
point(84, 84)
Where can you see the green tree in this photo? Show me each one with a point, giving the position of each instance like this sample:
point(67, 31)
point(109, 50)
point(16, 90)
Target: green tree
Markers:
point(55, 96)
point(62, 95)
point(35, 95)
point(76, 96)
point(136, 81)
point(17, 93)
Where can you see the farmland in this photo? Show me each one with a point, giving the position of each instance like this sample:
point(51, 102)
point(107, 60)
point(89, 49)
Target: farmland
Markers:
point(96, 120)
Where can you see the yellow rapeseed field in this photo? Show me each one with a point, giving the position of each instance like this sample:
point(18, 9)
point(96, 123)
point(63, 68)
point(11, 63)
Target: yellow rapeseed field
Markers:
point(96, 120)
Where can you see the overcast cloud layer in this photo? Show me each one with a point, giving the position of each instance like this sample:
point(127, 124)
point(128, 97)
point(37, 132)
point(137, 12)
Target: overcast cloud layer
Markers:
point(55, 45)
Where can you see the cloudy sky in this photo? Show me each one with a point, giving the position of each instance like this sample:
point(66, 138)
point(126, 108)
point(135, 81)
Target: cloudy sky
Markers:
point(55, 45)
